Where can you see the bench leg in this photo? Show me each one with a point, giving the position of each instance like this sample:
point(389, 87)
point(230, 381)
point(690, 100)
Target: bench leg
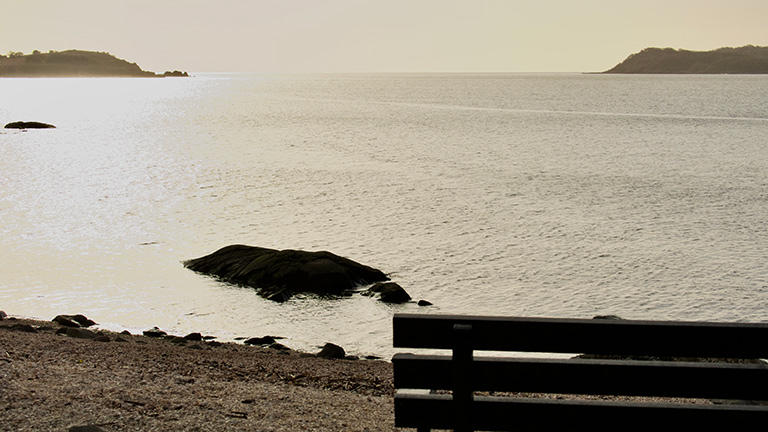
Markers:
point(462, 376)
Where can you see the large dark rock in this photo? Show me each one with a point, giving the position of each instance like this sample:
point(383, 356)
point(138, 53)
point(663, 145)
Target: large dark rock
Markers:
point(278, 274)
point(29, 125)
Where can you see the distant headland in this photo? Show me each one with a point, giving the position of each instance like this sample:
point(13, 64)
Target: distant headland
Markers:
point(72, 63)
point(748, 59)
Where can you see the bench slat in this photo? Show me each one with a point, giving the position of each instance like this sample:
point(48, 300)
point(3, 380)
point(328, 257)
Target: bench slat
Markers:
point(553, 335)
point(598, 377)
point(501, 414)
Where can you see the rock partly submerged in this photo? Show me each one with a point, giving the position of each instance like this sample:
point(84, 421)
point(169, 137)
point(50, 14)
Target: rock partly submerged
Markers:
point(29, 125)
point(279, 274)
point(388, 292)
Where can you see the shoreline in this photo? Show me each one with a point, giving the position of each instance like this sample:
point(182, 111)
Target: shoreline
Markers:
point(52, 381)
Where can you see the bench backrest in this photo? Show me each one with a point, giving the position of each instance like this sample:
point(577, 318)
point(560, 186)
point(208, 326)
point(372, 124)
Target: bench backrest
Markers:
point(463, 374)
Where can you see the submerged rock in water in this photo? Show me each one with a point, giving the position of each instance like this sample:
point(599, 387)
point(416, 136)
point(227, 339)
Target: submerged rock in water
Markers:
point(29, 125)
point(279, 274)
point(389, 292)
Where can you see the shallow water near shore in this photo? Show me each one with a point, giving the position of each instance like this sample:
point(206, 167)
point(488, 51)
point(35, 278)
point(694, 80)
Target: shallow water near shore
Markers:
point(532, 195)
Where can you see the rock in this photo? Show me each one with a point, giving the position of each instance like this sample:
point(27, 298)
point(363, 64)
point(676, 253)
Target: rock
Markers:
point(26, 328)
point(73, 320)
point(332, 351)
point(194, 337)
point(3, 315)
point(102, 338)
point(29, 125)
point(266, 340)
point(424, 303)
point(67, 322)
point(178, 340)
point(154, 332)
point(83, 321)
point(607, 317)
point(389, 292)
point(279, 274)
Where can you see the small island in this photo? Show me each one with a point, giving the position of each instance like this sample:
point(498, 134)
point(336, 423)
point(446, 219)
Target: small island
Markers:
point(72, 63)
point(748, 59)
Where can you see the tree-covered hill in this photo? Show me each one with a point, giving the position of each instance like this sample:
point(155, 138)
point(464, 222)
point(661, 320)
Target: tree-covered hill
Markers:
point(743, 60)
point(71, 63)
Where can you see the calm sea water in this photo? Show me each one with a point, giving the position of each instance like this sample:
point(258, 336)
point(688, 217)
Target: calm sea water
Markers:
point(531, 195)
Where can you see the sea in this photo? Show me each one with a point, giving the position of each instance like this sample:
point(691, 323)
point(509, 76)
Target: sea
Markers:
point(536, 195)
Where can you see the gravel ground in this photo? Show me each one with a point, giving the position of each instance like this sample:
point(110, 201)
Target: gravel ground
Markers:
point(52, 382)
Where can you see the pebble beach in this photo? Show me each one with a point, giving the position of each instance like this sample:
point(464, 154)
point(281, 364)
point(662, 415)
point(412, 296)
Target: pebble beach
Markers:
point(118, 382)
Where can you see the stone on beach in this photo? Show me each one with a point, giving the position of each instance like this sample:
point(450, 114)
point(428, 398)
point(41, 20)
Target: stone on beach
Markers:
point(279, 274)
point(154, 332)
point(194, 336)
point(332, 351)
point(73, 320)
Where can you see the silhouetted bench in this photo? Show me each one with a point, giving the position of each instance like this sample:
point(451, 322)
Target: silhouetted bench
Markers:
point(735, 386)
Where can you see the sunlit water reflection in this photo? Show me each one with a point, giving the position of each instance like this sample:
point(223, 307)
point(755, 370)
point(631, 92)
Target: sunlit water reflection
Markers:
point(550, 195)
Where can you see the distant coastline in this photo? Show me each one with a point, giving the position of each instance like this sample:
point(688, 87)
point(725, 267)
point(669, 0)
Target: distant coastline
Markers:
point(748, 59)
point(72, 63)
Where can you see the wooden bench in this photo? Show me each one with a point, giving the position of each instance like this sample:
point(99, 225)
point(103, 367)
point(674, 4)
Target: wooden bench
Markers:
point(735, 386)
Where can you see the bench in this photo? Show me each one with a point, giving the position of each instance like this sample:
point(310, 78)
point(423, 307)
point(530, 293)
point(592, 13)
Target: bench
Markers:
point(612, 369)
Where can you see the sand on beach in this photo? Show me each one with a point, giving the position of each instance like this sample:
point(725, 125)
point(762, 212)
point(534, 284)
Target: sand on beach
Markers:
point(53, 382)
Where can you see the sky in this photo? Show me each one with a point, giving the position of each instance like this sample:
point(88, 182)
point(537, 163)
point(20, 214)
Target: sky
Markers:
point(378, 35)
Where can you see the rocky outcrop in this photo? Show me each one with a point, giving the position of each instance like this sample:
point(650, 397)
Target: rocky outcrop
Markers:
point(279, 274)
point(29, 125)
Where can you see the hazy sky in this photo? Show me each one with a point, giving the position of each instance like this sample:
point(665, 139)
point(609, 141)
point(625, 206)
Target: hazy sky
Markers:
point(378, 35)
